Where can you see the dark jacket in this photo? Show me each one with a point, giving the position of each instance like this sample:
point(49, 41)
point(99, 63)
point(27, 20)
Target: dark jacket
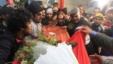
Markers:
point(72, 25)
point(2, 28)
point(8, 47)
point(45, 22)
point(108, 32)
point(97, 28)
point(64, 24)
point(104, 41)
point(71, 28)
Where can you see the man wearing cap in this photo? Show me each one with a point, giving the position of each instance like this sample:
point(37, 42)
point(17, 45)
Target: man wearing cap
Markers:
point(36, 9)
point(49, 16)
point(76, 21)
point(97, 26)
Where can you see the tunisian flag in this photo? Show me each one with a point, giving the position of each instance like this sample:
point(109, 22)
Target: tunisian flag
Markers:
point(79, 50)
point(61, 4)
point(10, 2)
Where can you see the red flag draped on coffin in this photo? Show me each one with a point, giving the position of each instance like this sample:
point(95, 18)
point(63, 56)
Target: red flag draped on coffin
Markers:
point(80, 50)
point(61, 33)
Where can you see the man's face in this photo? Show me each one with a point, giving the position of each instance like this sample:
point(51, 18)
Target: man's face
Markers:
point(27, 30)
point(62, 13)
point(109, 16)
point(98, 20)
point(60, 19)
point(55, 5)
point(75, 17)
point(49, 15)
point(96, 11)
point(43, 14)
point(38, 17)
point(81, 10)
point(55, 9)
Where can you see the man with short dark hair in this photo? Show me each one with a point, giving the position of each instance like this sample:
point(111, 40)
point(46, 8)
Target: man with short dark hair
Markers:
point(97, 26)
point(37, 11)
point(76, 21)
point(18, 26)
point(55, 5)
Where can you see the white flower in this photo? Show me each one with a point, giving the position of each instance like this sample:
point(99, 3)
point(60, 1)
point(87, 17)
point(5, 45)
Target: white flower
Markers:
point(24, 62)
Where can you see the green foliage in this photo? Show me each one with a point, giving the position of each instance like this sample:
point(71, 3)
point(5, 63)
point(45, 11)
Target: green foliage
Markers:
point(52, 41)
point(20, 3)
point(26, 53)
point(73, 44)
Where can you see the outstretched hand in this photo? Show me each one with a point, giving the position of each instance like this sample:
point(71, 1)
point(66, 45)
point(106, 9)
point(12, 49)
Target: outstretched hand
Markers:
point(95, 59)
point(87, 30)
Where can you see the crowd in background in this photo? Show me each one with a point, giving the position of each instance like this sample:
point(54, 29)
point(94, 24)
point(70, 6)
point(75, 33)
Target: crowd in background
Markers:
point(54, 16)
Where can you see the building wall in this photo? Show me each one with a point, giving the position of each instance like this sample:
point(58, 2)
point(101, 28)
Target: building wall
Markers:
point(70, 4)
point(74, 3)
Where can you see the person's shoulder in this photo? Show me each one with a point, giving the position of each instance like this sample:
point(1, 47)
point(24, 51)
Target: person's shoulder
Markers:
point(109, 29)
point(7, 36)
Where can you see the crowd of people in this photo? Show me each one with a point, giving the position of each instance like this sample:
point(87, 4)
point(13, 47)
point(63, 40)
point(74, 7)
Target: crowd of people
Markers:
point(23, 23)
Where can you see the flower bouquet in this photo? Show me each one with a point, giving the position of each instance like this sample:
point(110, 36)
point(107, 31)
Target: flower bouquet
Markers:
point(35, 49)
point(25, 54)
